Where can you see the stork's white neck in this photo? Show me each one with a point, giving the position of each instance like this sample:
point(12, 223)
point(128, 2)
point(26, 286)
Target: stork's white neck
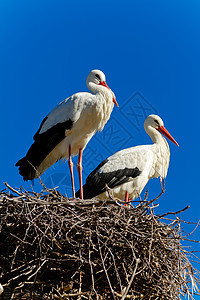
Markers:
point(98, 89)
point(156, 136)
point(102, 103)
point(162, 151)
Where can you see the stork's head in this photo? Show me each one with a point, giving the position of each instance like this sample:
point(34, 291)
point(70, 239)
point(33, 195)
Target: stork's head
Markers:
point(96, 76)
point(96, 81)
point(153, 122)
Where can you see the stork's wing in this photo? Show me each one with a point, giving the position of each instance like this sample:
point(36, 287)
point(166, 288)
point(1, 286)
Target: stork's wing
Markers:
point(97, 180)
point(97, 185)
point(67, 111)
point(44, 143)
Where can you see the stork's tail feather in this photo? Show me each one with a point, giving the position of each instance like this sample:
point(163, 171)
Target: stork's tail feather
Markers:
point(26, 169)
point(29, 164)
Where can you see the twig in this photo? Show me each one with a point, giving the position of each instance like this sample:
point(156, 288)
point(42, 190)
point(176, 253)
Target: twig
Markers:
point(104, 267)
point(131, 280)
point(12, 189)
point(174, 213)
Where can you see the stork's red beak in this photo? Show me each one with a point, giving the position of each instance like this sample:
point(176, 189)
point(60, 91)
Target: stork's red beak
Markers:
point(164, 131)
point(115, 101)
point(105, 84)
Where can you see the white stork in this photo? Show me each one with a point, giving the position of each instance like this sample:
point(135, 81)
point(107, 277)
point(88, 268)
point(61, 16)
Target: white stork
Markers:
point(67, 129)
point(127, 172)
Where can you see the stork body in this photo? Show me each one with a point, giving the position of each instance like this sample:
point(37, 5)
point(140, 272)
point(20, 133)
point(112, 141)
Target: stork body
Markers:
point(67, 129)
point(129, 170)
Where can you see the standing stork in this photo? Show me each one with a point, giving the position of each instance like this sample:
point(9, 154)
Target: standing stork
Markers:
point(127, 172)
point(67, 129)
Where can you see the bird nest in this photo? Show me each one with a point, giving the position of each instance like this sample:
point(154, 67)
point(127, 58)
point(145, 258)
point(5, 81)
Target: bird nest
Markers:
point(52, 247)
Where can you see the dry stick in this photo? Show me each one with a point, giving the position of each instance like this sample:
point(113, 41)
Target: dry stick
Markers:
point(144, 203)
point(146, 194)
point(12, 189)
point(38, 269)
point(96, 202)
point(125, 271)
point(192, 230)
point(162, 192)
point(80, 284)
point(24, 265)
point(128, 296)
point(91, 268)
point(130, 282)
point(174, 213)
point(22, 274)
point(117, 273)
point(75, 295)
point(150, 244)
point(104, 267)
point(110, 192)
point(115, 199)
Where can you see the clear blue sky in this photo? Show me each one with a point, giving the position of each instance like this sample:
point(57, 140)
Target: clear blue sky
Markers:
point(150, 53)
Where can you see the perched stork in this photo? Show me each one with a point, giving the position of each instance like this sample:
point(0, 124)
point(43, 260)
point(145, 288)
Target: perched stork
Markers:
point(127, 172)
point(67, 129)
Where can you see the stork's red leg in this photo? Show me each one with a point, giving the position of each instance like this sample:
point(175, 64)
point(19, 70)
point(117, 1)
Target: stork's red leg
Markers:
point(126, 198)
point(70, 162)
point(80, 168)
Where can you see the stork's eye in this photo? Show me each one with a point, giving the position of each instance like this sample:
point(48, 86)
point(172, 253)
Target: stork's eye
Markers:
point(97, 76)
point(157, 123)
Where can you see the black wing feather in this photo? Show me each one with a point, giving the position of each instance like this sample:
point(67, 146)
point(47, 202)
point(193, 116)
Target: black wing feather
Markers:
point(96, 181)
point(43, 145)
point(37, 133)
